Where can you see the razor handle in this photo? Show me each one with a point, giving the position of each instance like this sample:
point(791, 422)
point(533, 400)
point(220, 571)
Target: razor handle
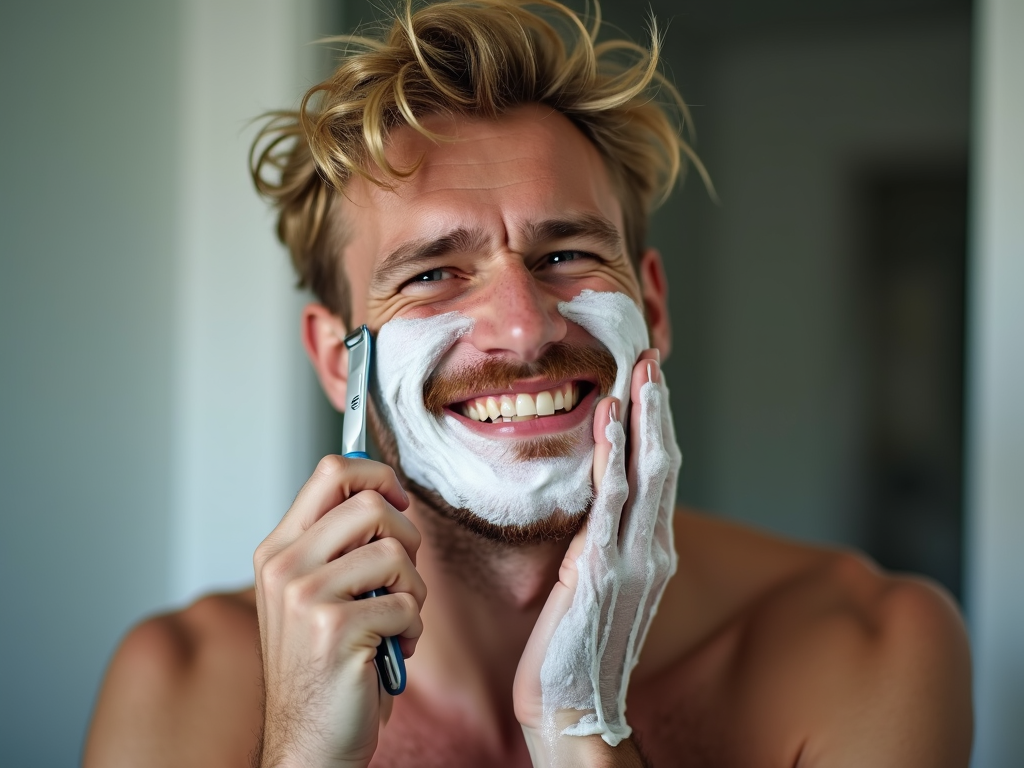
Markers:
point(389, 660)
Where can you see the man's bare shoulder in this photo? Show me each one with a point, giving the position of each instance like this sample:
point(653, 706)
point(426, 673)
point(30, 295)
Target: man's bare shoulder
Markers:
point(195, 671)
point(834, 660)
point(882, 661)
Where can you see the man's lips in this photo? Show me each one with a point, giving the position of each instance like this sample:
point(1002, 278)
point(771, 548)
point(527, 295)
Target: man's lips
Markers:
point(523, 401)
point(584, 395)
point(456, 385)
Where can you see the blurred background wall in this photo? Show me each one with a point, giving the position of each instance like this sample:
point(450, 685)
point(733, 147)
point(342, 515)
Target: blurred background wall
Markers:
point(803, 121)
point(87, 316)
point(156, 415)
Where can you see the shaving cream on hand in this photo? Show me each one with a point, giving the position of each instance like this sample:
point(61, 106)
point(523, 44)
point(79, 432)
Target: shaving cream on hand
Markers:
point(622, 575)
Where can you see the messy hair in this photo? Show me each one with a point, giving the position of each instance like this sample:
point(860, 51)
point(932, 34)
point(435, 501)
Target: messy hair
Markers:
point(475, 58)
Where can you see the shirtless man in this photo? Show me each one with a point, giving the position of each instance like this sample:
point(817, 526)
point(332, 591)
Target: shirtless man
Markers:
point(507, 180)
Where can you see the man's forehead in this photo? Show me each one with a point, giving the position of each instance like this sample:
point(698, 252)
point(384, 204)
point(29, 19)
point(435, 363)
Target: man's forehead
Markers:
point(525, 168)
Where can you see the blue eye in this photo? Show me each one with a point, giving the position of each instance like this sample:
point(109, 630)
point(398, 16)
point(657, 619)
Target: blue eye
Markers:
point(561, 257)
point(432, 276)
point(430, 281)
point(569, 257)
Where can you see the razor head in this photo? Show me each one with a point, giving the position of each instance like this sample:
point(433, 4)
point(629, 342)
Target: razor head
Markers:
point(353, 431)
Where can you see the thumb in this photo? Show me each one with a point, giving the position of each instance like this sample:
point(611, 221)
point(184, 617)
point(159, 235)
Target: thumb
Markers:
point(526, 689)
point(560, 599)
point(562, 593)
point(387, 703)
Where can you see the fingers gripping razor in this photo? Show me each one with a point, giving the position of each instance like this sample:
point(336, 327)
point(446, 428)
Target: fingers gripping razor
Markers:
point(389, 660)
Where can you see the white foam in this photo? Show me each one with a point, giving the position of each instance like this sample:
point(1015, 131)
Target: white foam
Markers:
point(474, 472)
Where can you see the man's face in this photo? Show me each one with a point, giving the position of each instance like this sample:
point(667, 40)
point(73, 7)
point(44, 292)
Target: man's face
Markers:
point(499, 225)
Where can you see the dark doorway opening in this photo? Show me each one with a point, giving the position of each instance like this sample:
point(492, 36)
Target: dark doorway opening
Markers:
point(914, 270)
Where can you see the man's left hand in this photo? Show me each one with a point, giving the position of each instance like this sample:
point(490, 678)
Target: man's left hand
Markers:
point(571, 682)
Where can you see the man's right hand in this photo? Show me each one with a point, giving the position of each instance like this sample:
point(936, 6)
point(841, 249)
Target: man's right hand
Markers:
point(343, 536)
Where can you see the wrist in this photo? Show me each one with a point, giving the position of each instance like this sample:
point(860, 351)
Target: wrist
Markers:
point(553, 749)
point(299, 757)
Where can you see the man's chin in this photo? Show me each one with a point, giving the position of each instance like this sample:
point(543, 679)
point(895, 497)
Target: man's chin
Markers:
point(556, 527)
point(578, 443)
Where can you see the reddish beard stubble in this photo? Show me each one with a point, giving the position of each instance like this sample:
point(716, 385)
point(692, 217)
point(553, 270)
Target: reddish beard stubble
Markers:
point(560, 362)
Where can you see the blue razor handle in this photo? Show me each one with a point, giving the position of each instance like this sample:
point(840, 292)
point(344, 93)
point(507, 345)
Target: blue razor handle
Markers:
point(389, 661)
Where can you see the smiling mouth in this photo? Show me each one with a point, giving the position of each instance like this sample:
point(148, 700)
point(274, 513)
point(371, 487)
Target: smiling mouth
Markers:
point(524, 406)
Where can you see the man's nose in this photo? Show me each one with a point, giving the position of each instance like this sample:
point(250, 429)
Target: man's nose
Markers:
point(517, 314)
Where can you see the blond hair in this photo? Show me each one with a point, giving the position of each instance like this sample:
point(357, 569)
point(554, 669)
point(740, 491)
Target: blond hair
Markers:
point(478, 58)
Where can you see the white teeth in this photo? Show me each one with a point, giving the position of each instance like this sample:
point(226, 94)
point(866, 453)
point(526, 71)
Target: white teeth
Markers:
point(522, 406)
point(493, 411)
point(507, 407)
point(545, 404)
point(525, 406)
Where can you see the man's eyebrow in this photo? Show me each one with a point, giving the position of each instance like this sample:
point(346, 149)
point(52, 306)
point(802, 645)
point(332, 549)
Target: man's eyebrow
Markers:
point(462, 240)
point(459, 240)
point(588, 225)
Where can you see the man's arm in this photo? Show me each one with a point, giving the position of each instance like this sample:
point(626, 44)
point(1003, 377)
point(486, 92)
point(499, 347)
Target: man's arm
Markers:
point(584, 752)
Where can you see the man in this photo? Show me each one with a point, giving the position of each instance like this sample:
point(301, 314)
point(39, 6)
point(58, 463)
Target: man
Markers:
point(474, 188)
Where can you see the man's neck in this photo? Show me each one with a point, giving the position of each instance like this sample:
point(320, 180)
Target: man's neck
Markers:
point(517, 577)
point(483, 601)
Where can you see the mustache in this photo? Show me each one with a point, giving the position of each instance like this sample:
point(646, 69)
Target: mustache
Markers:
point(559, 362)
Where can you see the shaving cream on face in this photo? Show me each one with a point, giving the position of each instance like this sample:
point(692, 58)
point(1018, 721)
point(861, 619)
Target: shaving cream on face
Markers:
point(482, 474)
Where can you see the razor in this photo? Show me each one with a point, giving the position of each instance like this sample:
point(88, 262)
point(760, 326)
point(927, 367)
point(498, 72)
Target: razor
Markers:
point(389, 660)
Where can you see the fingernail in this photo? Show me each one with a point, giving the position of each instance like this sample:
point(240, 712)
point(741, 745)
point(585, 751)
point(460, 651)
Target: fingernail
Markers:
point(653, 372)
point(613, 411)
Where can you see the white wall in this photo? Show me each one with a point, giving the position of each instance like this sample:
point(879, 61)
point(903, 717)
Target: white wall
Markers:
point(996, 387)
point(86, 306)
point(245, 404)
point(156, 417)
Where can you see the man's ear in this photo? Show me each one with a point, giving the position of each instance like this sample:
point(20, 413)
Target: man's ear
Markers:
point(654, 288)
point(323, 336)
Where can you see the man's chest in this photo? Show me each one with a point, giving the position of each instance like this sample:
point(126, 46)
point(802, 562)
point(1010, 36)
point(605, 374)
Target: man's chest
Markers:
point(710, 710)
point(429, 736)
point(691, 720)
point(686, 737)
